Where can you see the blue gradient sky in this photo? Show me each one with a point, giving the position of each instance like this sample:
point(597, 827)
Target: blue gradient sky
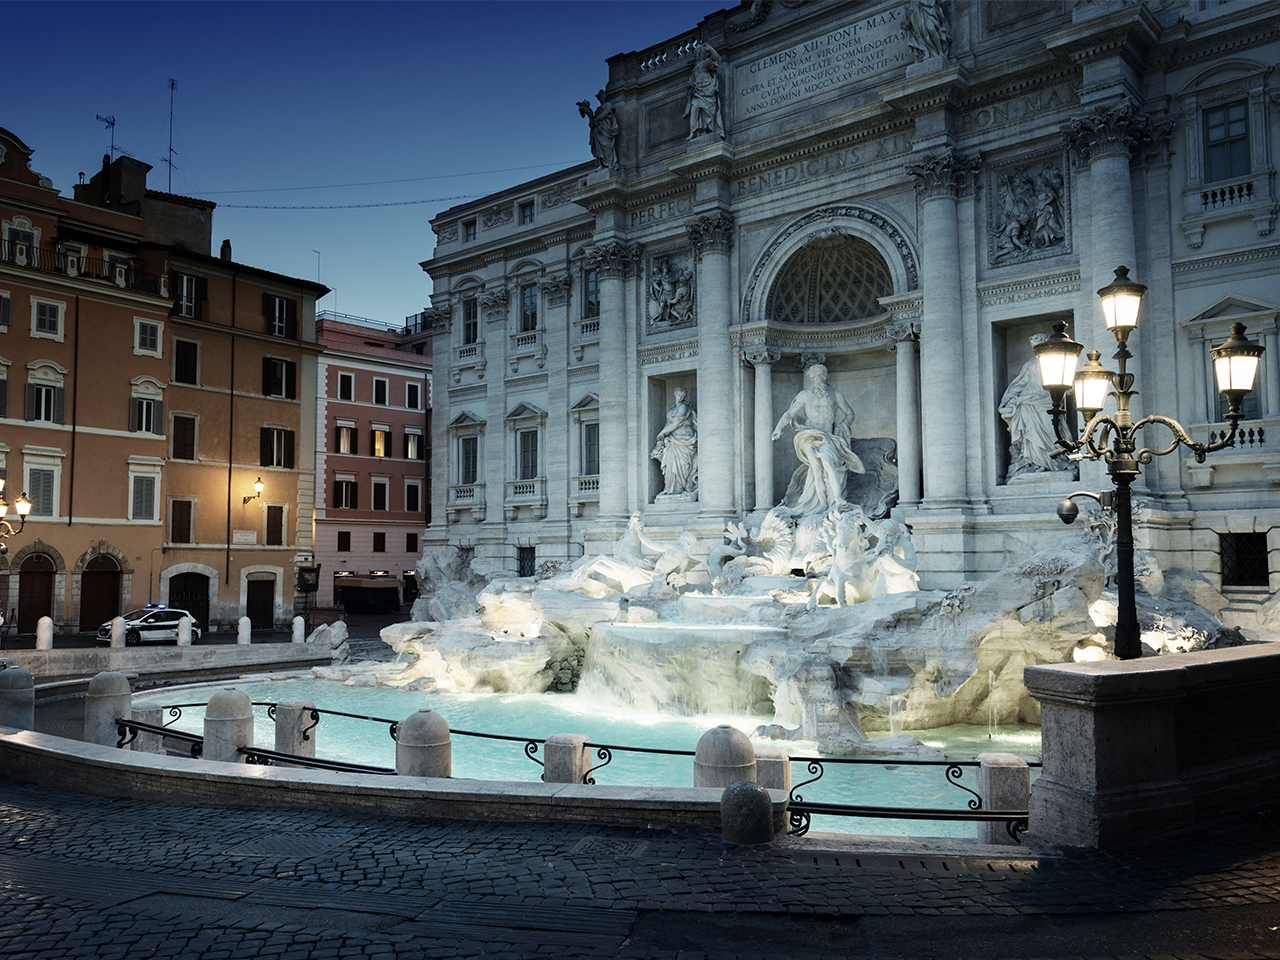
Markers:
point(301, 94)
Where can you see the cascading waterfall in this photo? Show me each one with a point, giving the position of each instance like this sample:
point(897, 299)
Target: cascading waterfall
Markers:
point(991, 703)
point(897, 704)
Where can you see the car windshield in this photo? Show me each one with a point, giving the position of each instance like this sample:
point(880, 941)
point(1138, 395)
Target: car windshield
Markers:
point(137, 614)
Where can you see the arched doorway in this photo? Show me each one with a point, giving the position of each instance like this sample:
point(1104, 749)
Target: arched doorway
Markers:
point(99, 592)
point(35, 591)
point(190, 592)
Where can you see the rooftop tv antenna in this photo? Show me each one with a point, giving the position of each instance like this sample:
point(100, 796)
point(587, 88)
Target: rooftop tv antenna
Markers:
point(169, 159)
point(111, 124)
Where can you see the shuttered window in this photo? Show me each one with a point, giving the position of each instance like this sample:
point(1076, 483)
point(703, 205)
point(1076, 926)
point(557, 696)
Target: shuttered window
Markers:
point(186, 361)
point(276, 447)
point(46, 403)
point(275, 526)
point(144, 498)
point(40, 492)
point(6, 311)
point(280, 316)
point(184, 438)
point(146, 416)
point(279, 378)
point(180, 516)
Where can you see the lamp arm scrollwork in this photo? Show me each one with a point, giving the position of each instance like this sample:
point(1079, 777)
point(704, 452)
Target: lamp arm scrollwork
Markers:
point(1182, 438)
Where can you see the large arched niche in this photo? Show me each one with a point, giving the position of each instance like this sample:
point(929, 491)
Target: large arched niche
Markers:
point(831, 279)
point(855, 239)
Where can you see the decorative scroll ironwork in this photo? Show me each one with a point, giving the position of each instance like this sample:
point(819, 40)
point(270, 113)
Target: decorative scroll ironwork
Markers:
point(315, 722)
point(127, 731)
point(271, 758)
point(954, 773)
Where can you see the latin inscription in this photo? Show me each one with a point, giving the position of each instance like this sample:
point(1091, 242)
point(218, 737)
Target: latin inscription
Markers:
point(1042, 101)
point(786, 174)
point(865, 47)
point(679, 207)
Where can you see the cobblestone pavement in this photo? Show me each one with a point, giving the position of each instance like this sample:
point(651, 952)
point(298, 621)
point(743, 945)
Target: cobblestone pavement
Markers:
point(88, 877)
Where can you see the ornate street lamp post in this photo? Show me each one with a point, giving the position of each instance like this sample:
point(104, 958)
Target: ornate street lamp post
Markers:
point(1113, 437)
point(21, 507)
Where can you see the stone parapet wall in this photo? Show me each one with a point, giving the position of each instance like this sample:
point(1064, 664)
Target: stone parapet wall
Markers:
point(170, 662)
point(1137, 748)
point(56, 763)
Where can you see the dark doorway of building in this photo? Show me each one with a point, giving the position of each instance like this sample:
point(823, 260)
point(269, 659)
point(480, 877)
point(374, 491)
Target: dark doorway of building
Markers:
point(259, 603)
point(35, 591)
point(190, 592)
point(99, 592)
point(526, 561)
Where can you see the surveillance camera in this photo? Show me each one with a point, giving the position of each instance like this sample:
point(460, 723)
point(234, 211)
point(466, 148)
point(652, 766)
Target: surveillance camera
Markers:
point(1068, 511)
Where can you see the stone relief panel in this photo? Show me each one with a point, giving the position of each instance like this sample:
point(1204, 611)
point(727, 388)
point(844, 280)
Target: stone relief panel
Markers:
point(498, 216)
point(669, 292)
point(449, 233)
point(1028, 209)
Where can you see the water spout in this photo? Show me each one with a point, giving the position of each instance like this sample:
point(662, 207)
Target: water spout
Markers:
point(897, 704)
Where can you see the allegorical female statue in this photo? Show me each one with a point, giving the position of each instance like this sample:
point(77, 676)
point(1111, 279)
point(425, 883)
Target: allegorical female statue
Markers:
point(604, 131)
point(1024, 407)
point(677, 449)
point(703, 109)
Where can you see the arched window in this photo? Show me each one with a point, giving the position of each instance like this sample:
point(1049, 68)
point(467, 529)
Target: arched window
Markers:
point(832, 279)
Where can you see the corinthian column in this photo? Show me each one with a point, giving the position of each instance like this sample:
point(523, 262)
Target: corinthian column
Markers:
point(614, 261)
point(763, 359)
point(712, 236)
point(940, 180)
point(903, 340)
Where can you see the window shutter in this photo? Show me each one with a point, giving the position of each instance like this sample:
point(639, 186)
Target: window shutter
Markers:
point(185, 361)
point(355, 494)
point(32, 402)
point(337, 493)
point(266, 376)
point(141, 498)
point(337, 439)
point(59, 404)
point(275, 526)
point(202, 297)
point(291, 319)
point(264, 446)
point(373, 443)
point(184, 438)
point(355, 441)
point(157, 424)
point(268, 305)
point(406, 446)
point(6, 311)
point(180, 528)
point(290, 380)
point(4, 398)
point(134, 412)
point(288, 449)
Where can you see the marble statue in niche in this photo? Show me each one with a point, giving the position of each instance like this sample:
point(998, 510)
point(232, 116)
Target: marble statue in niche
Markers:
point(1031, 214)
point(1024, 407)
point(672, 291)
point(822, 419)
point(703, 109)
point(928, 34)
point(677, 450)
point(604, 131)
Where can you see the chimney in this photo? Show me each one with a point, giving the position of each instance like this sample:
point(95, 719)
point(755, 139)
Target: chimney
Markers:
point(226, 250)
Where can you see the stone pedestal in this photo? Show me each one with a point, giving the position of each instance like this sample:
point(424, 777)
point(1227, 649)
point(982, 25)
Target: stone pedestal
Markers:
point(1004, 783)
point(296, 728)
point(228, 726)
point(148, 742)
point(773, 768)
point(723, 756)
point(423, 746)
point(107, 700)
point(44, 634)
point(299, 630)
point(117, 632)
point(243, 631)
point(567, 758)
point(17, 699)
point(184, 632)
point(746, 814)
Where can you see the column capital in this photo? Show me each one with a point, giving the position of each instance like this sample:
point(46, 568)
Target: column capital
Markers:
point(711, 233)
point(807, 360)
point(902, 332)
point(436, 319)
point(614, 259)
point(945, 174)
point(555, 288)
point(1113, 129)
point(761, 356)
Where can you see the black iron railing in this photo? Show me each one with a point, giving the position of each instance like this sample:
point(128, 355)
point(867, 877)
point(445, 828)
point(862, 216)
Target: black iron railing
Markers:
point(272, 758)
point(127, 731)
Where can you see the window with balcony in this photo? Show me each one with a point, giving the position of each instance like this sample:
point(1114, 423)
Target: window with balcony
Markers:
point(1226, 141)
point(470, 321)
point(527, 454)
point(591, 449)
point(189, 294)
point(468, 459)
point(591, 294)
point(528, 308)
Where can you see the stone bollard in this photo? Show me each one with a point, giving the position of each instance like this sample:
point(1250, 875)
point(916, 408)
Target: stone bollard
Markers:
point(296, 728)
point(423, 747)
point(1004, 783)
point(299, 630)
point(117, 631)
point(17, 697)
point(184, 632)
point(773, 768)
point(723, 756)
point(107, 700)
point(44, 633)
point(567, 758)
point(746, 814)
point(149, 742)
point(243, 631)
point(228, 725)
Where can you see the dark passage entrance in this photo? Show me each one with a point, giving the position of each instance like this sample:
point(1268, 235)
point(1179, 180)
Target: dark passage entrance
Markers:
point(35, 591)
point(190, 592)
point(259, 603)
point(99, 592)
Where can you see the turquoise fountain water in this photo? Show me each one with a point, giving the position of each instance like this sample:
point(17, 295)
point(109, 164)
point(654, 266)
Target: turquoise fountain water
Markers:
point(538, 716)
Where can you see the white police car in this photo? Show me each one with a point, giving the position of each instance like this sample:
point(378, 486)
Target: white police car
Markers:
point(153, 624)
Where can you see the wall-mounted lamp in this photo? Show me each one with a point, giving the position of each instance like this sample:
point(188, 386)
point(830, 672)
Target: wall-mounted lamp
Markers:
point(257, 490)
point(22, 507)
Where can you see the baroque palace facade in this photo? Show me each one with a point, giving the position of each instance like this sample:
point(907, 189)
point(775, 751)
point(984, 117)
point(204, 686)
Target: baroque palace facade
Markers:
point(906, 194)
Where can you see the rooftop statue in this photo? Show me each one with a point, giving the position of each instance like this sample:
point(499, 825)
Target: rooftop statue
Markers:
point(677, 449)
point(822, 418)
point(604, 131)
point(703, 109)
point(928, 34)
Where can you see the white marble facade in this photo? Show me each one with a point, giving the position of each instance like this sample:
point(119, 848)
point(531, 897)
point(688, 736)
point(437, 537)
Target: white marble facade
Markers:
point(908, 215)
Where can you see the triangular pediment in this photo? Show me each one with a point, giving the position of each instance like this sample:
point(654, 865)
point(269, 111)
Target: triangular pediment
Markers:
point(524, 410)
point(466, 419)
point(1233, 307)
point(589, 401)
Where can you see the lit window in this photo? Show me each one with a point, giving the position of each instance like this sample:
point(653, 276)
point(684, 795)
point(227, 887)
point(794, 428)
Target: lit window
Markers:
point(412, 446)
point(346, 440)
point(381, 442)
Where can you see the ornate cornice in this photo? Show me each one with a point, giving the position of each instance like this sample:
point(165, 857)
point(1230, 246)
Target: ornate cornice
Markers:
point(1058, 283)
point(711, 233)
point(945, 174)
point(614, 259)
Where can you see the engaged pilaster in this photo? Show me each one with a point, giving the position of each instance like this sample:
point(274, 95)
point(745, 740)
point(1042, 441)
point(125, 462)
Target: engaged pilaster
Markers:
point(904, 339)
point(763, 359)
point(712, 238)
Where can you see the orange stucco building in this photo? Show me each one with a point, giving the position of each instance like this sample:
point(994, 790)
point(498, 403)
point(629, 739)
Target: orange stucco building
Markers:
point(148, 385)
